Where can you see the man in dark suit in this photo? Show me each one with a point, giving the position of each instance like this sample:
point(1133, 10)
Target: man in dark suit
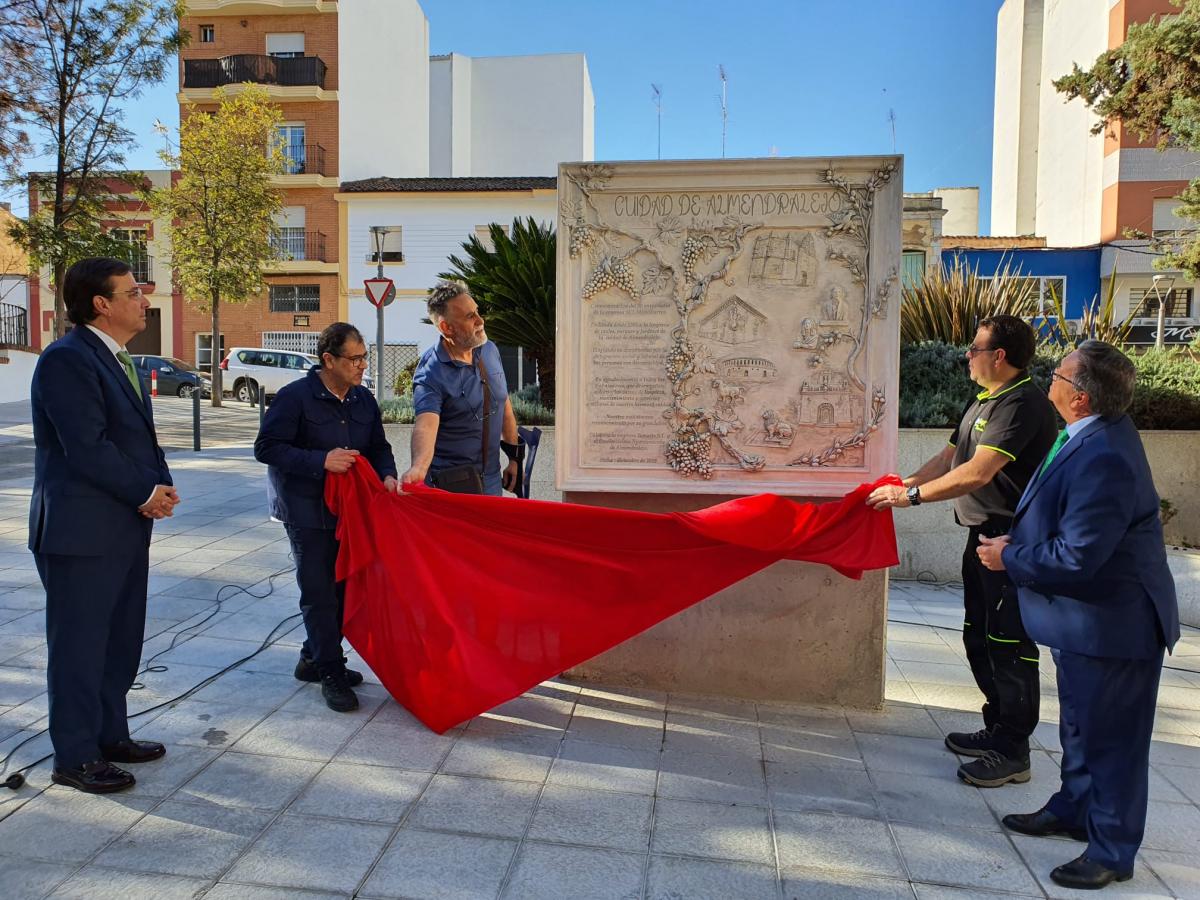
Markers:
point(100, 479)
point(1086, 553)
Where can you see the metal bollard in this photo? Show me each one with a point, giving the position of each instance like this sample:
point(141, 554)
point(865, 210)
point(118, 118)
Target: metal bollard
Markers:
point(262, 406)
point(196, 419)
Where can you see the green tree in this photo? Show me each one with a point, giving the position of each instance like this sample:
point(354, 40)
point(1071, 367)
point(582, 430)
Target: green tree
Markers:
point(223, 204)
point(514, 287)
point(1151, 85)
point(66, 69)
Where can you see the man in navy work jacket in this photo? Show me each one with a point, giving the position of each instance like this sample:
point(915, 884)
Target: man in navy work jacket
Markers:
point(99, 482)
point(458, 415)
point(319, 424)
point(1086, 552)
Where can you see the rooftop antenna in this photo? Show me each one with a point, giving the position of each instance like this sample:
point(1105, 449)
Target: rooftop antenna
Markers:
point(892, 122)
point(657, 89)
point(724, 106)
point(161, 128)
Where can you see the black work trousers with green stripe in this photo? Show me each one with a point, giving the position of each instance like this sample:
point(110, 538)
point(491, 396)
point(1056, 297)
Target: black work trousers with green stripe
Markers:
point(1003, 659)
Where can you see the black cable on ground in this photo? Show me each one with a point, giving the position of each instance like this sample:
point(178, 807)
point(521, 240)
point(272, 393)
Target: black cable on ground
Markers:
point(16, 779)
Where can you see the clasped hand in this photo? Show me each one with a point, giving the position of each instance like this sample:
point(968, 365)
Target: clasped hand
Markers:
point(162, 502)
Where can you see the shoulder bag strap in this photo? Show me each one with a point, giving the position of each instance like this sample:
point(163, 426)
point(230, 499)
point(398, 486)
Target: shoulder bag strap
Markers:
point(487, 410)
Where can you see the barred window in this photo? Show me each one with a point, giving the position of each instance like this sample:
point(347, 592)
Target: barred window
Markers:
point(295, 298)
point(1178, 303)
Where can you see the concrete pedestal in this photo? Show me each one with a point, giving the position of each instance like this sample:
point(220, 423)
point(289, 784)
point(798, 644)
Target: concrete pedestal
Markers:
point(794, 632)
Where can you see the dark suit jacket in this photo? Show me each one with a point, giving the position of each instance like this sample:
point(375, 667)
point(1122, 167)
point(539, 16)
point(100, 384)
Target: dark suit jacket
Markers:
point(96, 456)
point(1087, 551)
point(302, 424)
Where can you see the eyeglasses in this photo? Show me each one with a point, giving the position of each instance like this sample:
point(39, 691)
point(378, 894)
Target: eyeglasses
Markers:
point(973, 350)
point(478, 413)
point(132, 293)
point(358, 360)
point(1055, 374)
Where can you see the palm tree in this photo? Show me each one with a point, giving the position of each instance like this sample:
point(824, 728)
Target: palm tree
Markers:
point(514, 287)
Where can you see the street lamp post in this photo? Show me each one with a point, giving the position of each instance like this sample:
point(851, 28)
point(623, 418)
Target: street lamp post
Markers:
point(378, 235)
point(1156, 282)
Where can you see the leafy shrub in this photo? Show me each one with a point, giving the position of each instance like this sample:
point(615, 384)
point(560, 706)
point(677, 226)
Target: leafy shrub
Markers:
point(947, 305)
point(935, 388)
point(528, 412)
point(404, 379)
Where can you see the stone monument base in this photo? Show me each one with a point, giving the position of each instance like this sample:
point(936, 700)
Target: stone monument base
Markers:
point(793, 633)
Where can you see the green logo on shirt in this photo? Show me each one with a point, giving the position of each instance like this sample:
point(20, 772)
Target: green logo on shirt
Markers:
point(980, 423)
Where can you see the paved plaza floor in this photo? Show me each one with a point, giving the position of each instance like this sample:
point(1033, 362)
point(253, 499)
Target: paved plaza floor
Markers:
point(570, 791)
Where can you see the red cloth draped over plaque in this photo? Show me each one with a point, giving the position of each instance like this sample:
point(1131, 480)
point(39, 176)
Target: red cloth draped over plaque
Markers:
point(461, 602)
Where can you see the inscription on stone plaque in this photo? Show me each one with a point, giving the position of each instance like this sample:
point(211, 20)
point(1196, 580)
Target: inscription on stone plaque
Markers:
point(728, 326)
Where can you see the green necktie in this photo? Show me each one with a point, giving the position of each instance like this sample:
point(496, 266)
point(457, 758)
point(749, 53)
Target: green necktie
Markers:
point(130, 373)
point(1063, 437)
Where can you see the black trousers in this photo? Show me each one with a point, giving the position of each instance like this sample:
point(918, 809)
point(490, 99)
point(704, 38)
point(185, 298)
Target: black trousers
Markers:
point(1003, 659)
point(95, 619)
point(321, 596)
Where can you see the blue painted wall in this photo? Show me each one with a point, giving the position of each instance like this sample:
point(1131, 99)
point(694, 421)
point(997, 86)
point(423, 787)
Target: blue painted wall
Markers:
point(1079, 266)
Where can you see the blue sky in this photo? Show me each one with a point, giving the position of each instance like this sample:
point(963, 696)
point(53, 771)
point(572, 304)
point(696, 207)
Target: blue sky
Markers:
point(805, 77)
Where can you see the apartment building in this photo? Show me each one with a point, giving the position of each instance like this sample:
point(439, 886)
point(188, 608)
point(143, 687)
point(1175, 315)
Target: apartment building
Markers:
point(128, 217)
point(378, 133)
point(1053, 178)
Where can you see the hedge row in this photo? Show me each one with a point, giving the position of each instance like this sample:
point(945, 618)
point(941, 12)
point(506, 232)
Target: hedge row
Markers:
point(934, 386)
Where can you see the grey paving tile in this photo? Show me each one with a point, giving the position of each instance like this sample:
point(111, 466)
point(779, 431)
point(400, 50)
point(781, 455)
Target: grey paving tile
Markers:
point(515, 759)
point(30, 598)
point(811, 740)
point(316, 736)
point(603, 767)
point(255, 690)
point(405, 745)
point(1175, 750)
point(426, 865)
point(941, 892)
point(309, 701)
point(595, 818)
point(712, 830)
point(1180, 872)
point(720, 779)
point(62, 825)
point(818, 789)
point(19, 685)
point(370, 793)
point(963, 857)
point(476, 806)
point(689, 733)
point(838, 843)
point(932, 801)
point(185, 839)
point(802, 884)
point(312, 853)
point(163, 776)
point(639, 730)
point(198, 724)
point(529, 711)
point(896, 718)
point(547, 872)
point(226, 890)
point(1172, 826)
point(95, 883)
point(27, 879)
point(672, 878)
point(912, 756)
point(256, 782)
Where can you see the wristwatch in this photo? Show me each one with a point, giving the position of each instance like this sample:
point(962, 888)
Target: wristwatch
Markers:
point(914, 495)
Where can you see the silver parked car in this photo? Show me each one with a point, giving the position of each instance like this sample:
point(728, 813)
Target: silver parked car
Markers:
point(253, 369)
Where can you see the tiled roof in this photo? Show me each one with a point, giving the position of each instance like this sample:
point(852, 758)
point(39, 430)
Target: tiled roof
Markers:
point(416, 185)
point(983, 242)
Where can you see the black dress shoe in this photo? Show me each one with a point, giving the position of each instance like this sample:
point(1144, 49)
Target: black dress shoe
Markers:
point(1042, 823)
point(306, 670)
point(132, 751)
point(97, 777)
point(1087, 875)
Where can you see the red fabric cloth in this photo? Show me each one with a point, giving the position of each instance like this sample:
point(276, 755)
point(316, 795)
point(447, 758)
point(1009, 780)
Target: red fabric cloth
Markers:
point(460, 602)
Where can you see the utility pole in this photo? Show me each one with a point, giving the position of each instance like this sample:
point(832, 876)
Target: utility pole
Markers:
point(379, 234)
point(724, 106)
point(657, 89)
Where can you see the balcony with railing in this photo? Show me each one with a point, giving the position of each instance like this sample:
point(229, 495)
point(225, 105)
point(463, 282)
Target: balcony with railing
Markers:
point(297, 71)
point(14, 325)
point(303, 159)
point(298, 245)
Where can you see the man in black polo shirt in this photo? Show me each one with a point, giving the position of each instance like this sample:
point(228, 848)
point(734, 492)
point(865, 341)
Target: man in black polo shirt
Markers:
point(1004, 435)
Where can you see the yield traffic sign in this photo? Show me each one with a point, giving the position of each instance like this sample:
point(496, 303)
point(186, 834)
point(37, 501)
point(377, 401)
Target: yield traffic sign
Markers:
point(380, 291)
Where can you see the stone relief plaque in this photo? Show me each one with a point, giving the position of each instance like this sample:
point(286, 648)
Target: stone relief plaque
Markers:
point(728, 326)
